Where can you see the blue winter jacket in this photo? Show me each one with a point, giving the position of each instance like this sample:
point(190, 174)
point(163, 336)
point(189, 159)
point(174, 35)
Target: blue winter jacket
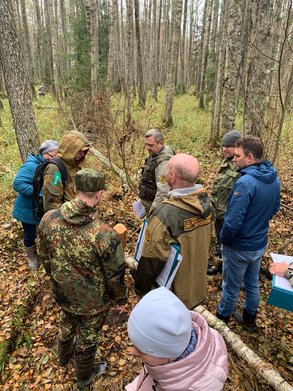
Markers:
point(23, 184)
point(253, 201)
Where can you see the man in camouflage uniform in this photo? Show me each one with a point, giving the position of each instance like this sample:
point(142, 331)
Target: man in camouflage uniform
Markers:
point(84, 257)
point(72, 151)
point(223, 183)
point(183, 218)
point(153, 186)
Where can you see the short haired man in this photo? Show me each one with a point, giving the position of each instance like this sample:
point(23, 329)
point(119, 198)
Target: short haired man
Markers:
point(223, 183)
point(153, 186)
point(72, 151)
point(253, 201)
point(84, 257)
point(178, 349)
point(184, 218)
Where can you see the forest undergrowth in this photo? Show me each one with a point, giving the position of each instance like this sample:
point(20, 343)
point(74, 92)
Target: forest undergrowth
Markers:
point(29, 316)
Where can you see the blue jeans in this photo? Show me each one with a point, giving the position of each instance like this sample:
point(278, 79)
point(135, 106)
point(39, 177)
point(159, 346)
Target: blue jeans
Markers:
point(30, 234)
point(240, 267)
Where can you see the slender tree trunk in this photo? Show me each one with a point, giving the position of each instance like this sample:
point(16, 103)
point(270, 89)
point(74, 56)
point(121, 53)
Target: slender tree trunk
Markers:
point(173, 59)
point(91, 9)
point(205, 53)
point(141, 85)
point(12, 63)
point(182, 50)
point(220, 68)
point(113, 41)
point(129, 19)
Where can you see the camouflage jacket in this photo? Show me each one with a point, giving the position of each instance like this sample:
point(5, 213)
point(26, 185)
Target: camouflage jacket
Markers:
point(224, 181)
point(153, 184)
point(71, 143)
point(187, 221)
point(84, 258)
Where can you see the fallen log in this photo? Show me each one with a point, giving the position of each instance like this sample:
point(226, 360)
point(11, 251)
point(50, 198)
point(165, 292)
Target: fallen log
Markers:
point(262, 368)
point(121, 174)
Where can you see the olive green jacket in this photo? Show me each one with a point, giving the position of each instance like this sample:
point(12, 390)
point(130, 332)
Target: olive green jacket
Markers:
point(223, 183)
point(186, 221)
point(153, 185)
point(70, 145)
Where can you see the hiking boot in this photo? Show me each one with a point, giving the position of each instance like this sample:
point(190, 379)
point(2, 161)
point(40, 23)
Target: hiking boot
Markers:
point(32, 257)
point(65, 350)
point(87, 371)
point(246, 319)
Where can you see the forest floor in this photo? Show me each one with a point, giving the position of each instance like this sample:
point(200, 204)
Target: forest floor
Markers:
point(29, 316)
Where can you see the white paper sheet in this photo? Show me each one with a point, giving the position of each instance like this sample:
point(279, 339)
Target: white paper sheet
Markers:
point(282, 282)
point(139, 209)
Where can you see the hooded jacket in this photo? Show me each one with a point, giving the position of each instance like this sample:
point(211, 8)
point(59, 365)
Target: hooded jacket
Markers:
point(205, 369)
point(70, 145)
point(23, 184)
point(84, 257)
point(184, 220)
point(254, 199)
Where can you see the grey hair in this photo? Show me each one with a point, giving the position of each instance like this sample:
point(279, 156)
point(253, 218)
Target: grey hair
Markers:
point(156, 133)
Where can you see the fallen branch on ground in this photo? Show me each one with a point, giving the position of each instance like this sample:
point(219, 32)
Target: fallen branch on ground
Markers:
point(264, 369)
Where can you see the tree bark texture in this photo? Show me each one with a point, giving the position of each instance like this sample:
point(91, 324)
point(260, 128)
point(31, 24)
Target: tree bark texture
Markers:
point(234, 56)
point(12, 63)
point(172, 59)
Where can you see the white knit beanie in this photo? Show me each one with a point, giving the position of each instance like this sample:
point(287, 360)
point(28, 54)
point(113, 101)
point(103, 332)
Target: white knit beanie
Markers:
point(160, 324)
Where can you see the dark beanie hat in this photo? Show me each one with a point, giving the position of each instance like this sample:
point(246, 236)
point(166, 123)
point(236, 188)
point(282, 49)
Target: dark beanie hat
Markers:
point(230, 138)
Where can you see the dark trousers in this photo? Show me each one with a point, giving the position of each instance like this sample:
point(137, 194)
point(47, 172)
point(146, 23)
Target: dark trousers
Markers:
point(30, 234)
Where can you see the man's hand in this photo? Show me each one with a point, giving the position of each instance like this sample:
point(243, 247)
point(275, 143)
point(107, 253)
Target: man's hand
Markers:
point(120, 308)
point(278, 268)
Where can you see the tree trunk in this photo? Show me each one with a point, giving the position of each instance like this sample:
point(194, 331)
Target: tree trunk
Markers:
point(141, 84)
point(205, 47)
point(263, 369)
point(172, 59)
point(91, 13)
point(12, 63)
point(129, 8)
point(234, 53)
point(258, 63)
point(220, 68)
point(113, 41)
point(182, 50)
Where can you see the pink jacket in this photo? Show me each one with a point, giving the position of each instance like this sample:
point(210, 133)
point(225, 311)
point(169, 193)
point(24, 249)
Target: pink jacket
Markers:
point(205, 369)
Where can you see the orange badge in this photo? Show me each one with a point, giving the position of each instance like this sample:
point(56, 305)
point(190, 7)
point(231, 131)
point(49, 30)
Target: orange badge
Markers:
point(235, 193)
point(163, 179)
point(147, 236)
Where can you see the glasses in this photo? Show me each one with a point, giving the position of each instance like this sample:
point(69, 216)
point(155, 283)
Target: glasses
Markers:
point(51, 155)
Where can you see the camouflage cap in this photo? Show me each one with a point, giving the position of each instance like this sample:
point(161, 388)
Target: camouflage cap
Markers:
point(90, 180)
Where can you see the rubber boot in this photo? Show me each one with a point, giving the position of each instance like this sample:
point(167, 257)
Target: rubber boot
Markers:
point(65, 350)
point(86, 371)
point(225, 319)
point(246, 319)
point(215, 270)
point(32, 257)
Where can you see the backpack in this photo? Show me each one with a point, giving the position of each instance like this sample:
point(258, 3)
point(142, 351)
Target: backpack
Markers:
point(38, 181)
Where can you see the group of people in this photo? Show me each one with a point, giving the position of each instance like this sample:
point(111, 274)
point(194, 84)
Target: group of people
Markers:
point(85, 260)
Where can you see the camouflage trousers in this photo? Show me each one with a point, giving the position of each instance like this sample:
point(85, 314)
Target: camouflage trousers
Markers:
point(87, 328)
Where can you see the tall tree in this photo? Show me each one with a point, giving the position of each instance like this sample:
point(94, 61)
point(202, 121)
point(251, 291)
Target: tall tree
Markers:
point(140, 76)
point(129, 20)
point(17, 87)
point(234, 57)
point(92, 8)
point(173, 59)
point(219, 74)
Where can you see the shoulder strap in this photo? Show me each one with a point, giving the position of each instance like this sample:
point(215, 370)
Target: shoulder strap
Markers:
point(63, 172)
